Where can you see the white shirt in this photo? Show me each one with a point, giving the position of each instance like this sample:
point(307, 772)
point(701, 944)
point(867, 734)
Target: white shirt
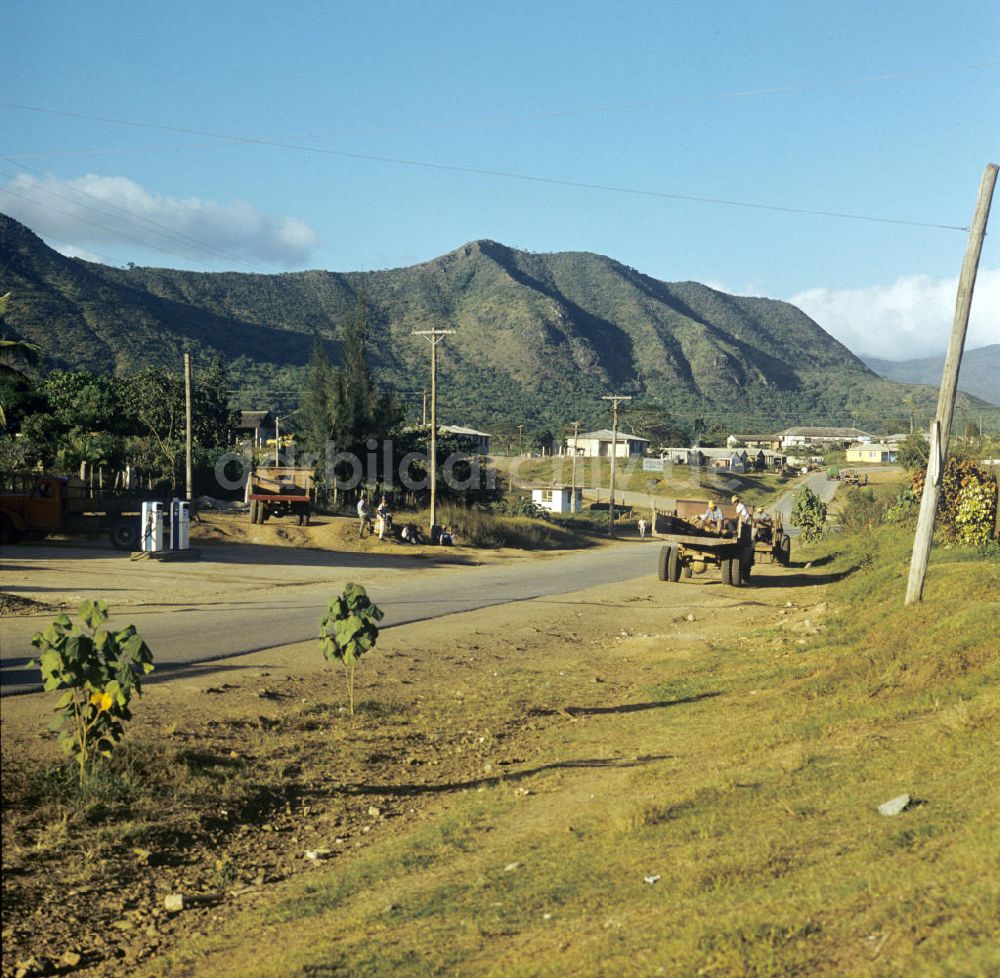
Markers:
point(742, 512)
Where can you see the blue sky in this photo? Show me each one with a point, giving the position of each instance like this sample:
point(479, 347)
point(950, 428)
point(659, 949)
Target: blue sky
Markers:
point(348, 136)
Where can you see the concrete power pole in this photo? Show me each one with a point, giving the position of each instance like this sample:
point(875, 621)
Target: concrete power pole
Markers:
point(188, 438)
point(941, 425)
point(434, 336)
point(615, 399)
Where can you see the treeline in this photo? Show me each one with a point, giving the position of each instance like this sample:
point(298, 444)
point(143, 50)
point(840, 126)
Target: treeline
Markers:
point(73, 417)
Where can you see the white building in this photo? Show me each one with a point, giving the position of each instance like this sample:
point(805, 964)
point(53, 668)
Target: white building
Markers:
point(594, 444)
point(800, 437)
point(558, 499)
point(478, 441)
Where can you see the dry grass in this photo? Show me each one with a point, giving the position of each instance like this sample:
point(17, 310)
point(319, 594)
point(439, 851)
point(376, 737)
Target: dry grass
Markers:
point(719, 820)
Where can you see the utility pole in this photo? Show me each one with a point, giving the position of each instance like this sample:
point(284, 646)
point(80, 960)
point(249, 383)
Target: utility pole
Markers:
point(576, 451)
point(189, 449)
point(424, 422)
point(615, 400)
point(434, 336)
point(941, 426)
point(520, 439)
point(277, 440)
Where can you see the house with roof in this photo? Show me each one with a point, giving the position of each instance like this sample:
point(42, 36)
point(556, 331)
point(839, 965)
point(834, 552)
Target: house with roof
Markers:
point(873, 452)
point(254, 429)
point(800, 437)
point(598, 444)
point(558, 499)
point(476, 442)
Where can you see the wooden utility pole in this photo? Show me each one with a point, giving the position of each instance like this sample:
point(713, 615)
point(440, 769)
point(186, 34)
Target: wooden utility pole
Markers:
point(615, 399)
point(434, 336)
point(576, 450)
point(520, 439)
point(941, 425)
point(189, 450)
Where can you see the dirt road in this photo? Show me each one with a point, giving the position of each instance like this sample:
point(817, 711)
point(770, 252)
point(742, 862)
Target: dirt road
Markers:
point(240, 598)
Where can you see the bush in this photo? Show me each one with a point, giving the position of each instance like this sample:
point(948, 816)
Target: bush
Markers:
point(809, 514)
point(862, 511)
point(967, 507)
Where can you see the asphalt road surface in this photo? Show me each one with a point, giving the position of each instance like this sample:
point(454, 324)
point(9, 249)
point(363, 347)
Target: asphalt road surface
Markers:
point(192, 630)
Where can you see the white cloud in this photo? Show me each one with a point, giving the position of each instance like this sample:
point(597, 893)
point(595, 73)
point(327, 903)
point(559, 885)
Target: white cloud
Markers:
point(909, 318)
point(115, 211)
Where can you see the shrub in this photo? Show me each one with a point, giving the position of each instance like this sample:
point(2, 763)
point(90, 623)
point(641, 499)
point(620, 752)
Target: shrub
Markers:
point(809, 514)
point(967, 507)
point(862, 511)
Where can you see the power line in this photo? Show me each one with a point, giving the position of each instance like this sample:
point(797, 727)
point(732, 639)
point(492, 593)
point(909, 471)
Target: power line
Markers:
point(503, 174)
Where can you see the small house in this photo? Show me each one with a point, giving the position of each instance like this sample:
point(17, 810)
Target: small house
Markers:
point(254, 429)
point(558, 499)
point(476, 442)
point(875, 452)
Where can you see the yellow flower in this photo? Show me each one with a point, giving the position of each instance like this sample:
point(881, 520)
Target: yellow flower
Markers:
point(102, 701)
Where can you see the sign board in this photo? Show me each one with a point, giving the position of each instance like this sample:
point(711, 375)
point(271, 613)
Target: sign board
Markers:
point(652, 465)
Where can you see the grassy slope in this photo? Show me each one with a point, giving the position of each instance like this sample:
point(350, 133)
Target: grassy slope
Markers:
point(747, 779)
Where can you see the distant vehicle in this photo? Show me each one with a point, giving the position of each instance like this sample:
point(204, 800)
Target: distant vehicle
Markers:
point(852, 477)
point(39, 505)
point(281, 491)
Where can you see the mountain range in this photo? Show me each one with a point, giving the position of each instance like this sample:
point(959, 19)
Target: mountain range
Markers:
point(538, 338)
point(979, 374)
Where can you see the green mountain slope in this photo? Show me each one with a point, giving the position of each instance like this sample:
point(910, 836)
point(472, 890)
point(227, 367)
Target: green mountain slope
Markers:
point(538, 337)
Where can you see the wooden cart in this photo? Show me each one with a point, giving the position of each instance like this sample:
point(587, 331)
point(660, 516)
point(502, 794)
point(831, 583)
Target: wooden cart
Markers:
point(281, 491)
point(689, 549)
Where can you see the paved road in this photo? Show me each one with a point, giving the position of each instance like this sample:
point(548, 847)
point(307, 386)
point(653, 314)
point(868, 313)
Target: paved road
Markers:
point(819, 483)
point(194, 631)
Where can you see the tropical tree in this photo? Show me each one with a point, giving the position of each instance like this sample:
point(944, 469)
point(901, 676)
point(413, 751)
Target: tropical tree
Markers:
point(16, 358)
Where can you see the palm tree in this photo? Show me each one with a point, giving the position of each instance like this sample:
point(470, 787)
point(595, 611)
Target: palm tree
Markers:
point(16, 357)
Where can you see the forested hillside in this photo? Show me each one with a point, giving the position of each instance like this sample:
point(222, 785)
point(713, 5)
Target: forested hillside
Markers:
point(538, 337)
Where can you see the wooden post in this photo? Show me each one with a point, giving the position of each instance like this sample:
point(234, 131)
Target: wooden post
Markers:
point(189, 449)
point(615, 400)
point(576, 438)
point(941, 426)
point(435, 336)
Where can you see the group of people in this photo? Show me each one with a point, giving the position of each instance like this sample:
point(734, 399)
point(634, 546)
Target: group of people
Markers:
point(383, 518)
point(713, 516)
point(382, 525)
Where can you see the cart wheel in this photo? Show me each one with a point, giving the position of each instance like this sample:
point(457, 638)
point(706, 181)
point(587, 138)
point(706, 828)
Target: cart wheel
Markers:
point(687, 571)
point(254, 509)
point(746, 563)
point(302, 519)
point(785, 550)
point(8, 532)
point(674, 565)
point(662, 564)
point(726, 570)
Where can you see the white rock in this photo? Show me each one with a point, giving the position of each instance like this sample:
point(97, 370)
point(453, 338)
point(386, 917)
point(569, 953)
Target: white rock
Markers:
point(895, 805)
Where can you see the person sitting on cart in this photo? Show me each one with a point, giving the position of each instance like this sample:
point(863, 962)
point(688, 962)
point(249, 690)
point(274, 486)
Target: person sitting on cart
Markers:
point(763, 526)
point(711, 515)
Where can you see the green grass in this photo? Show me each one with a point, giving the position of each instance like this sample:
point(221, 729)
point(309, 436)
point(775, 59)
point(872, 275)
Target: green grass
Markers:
point(752, 798)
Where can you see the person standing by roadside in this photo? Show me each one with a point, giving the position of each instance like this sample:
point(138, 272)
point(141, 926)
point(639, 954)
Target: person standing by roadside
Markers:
point(364, 517)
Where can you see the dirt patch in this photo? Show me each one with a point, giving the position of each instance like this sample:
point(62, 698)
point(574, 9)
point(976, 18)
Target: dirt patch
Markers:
point(14, 604)
point(236, 771)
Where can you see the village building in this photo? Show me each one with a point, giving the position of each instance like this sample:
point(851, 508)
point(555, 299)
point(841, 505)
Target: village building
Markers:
point(254, 429)
point(801, 437)
point(597, 444)
point(558, 499)
point(478, 441)
point(875, 452)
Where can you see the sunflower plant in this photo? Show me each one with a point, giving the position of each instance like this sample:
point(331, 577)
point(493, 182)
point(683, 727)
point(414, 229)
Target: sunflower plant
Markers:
point(98, 670)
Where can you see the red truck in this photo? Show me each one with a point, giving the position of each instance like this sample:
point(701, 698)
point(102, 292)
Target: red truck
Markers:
point(281, 491)
point(38, 505)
